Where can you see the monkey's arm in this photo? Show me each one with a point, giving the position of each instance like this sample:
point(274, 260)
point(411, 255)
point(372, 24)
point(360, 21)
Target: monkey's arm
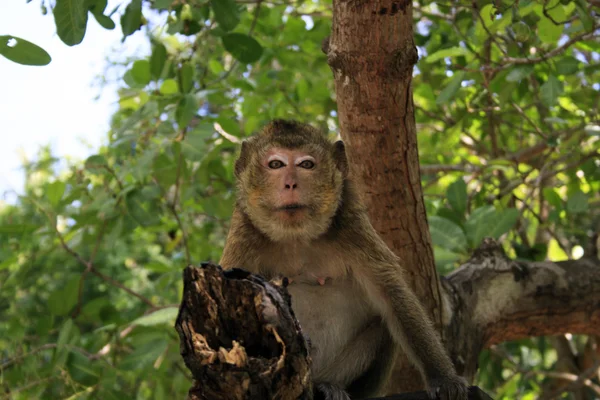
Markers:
point(410, 326)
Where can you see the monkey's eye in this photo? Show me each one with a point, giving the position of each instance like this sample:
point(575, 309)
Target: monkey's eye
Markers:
point(275, 164)
point(307, 164)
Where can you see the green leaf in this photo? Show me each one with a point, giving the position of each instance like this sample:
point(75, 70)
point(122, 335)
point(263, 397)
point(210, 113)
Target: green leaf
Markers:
point(140, 209)
point(141, 72)
point(22, 51)
point(105, 21)
point(457, 196)
point(548, 31)
point(553, 198)
point(226, 13)
point(567, 65)
point(451, 52)
point(96, 163)
point(194, 144)
point(163, 316)
point(97, 10)
point(168, 87)
point(550, 91)
point(162, 4)
point(64, 298)
point(502, 222)
point(82, 370)
point(451, 89)
point(165, 170)
point(518, 73)
point(144, 355)
point(586, 19)
point(157, 60)
point(18, 228)
point(55, 192)
point(480, 224)
point(243, 47)
point(186, 77)
point(68, 335)
point(446, 234)
point(131, 20)
point(70, 17)
point(186, 110)
point(577, 203)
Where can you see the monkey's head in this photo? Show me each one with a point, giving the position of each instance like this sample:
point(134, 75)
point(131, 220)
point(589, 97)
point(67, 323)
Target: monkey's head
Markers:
point(290, 179)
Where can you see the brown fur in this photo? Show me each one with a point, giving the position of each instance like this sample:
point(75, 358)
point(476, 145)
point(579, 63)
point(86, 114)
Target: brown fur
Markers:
point(365, 309)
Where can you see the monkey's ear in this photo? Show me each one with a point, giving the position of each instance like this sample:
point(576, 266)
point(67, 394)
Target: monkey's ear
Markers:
point(339, 156)
point(242, 161)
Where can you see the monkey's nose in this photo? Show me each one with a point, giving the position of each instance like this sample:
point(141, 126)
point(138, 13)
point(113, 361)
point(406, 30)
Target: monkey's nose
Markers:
point(291, 186)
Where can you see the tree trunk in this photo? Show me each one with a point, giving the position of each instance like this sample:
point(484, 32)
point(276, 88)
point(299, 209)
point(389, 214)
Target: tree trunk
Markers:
point(240, 339)
point(371, 53)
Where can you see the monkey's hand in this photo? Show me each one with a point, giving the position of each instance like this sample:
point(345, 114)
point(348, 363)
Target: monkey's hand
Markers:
point(452, 387)
point(328, 391)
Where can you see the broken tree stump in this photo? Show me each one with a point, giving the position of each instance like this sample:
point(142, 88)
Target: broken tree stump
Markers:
point(239, 337)
point(241, 341)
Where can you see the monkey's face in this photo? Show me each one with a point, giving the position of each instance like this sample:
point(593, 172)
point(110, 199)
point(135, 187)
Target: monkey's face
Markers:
point(292, 194)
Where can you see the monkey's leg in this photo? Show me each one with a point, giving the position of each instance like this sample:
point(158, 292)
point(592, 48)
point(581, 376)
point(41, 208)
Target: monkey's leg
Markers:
point(372, 381)
point(363, 364)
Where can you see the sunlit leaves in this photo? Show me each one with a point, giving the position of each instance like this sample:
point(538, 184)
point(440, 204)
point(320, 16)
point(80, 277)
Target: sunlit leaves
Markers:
point(141, 72)
point(70, 17)
point(22, 51)
point(243, 47)
point(55, 192)
point(169, 86)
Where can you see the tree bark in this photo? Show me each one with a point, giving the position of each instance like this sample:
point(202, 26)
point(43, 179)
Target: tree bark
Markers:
point(371, 53)
point(240, 339)
point(494, 299)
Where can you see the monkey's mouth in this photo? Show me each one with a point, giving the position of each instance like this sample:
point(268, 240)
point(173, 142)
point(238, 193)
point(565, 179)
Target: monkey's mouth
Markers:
point(292, 212)
point(291, 207)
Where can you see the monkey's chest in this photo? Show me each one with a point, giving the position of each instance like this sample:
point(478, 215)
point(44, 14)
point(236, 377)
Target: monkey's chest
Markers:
point(331, 315)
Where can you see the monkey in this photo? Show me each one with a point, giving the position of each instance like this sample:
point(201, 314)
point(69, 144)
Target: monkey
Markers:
point(298, 214)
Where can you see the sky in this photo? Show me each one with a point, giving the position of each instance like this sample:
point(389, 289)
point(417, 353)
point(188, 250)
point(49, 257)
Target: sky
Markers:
point(54, 104)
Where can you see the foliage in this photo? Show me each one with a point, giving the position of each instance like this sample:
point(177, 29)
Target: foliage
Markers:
point(91, 257)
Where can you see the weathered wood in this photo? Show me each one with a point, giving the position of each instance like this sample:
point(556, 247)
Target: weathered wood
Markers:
point(239, 337)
